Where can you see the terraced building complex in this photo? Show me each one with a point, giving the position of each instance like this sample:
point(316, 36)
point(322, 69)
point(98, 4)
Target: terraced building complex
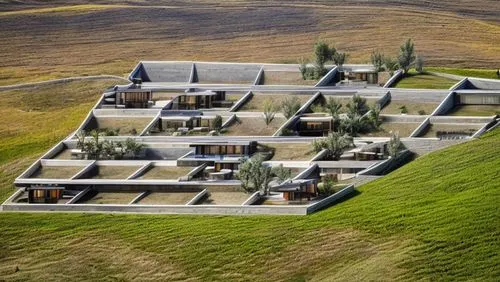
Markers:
point(173, 140)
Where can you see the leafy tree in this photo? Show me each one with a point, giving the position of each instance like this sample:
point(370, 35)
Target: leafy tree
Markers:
point(333, 106)
point(269, 111)
point(327, 186)
point(290, 106)
point(391, 64)
point(281, 172)
point(357, 106)
point(374, 116)
point(419, 64)
point(354, 124)
point(394, 144)
point(217, 123)
point(323, 53)
point(406, 55)
point(132, 147)
point(377, 60)
point(254, 175)
point(318, 145)
point(340, 58)
point(335, 144)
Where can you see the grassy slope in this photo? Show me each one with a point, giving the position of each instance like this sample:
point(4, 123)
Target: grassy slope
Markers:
point(425, 80)
point(35, 119)
point(483, 73)
point(439, 223)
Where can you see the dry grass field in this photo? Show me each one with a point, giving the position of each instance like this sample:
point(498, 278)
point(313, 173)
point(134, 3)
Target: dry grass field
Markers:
point(58, 39)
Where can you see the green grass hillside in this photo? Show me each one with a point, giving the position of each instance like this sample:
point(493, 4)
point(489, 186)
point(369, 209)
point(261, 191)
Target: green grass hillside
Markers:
point(434, 219)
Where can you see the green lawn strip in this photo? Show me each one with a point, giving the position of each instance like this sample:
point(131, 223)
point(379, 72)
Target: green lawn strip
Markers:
point(435, 218)
point(424, 80)
point(481, 73)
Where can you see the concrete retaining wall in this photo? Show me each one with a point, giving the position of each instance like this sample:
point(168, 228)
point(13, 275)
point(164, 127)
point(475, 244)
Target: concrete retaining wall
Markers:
point(403, 118)
point(227, 72)
point(252, 199)
point(160, 209)
point(241, 102)
point(382, 102)
point(423, 146)
point(446, 105)
point(167, 71)
point(319, 156)
point(385, 165)
point(258, 79)
point(327, 79)
point(196, 198)
point(331, 199)
point(483, 129)
point(394, 78)
point(421, 128)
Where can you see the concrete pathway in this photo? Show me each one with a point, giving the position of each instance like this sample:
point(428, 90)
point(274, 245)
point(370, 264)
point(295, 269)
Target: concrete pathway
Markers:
point(60, 80)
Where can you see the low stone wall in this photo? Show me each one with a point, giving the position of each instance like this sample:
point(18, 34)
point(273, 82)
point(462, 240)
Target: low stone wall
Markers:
point(160, 209)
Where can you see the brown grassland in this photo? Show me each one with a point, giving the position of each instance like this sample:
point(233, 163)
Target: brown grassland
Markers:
point(58, 39)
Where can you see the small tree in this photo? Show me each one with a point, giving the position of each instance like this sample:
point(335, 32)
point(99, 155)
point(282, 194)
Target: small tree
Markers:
point(254, 175)
point(391, 64)
point(333, 106)
point(336, 144)
point(269, 111)
point(281, 172)
point(217, 123)
point(80, 139)
point(132, 147)
point(354, 124)
point(318, 145)
point(290, 106)
point(357, 105)
point(323, 53)
point(327, 186)
point(340, 58)
point(377, 60)
point(394, 144)
point(419, 64)
point(374, 116)
point(406, 55)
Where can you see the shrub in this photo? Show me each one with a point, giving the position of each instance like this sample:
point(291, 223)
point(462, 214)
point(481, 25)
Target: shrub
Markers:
point(217, 123)
point(254, 175)
point(290, 106)
point(403, 109)
point(394, 144)
point(422, 112)
point(327, 186)
point(281, 172)
point(269, 111)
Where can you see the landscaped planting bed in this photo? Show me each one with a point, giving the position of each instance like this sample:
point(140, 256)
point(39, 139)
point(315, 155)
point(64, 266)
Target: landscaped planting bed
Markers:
point(64, 154)
point(343, 100)
point(436, 129)
point(257, 102)
point(404, 129)
point(114, 172)
point(225, 198)
point(414, 108)
point(292, 151)
point(166, 172)
point(125, 125)
point(254, 126)
point(285, 78)
point(170, 198)
point(475, 110)
point(117, 198)
point(56, 171)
